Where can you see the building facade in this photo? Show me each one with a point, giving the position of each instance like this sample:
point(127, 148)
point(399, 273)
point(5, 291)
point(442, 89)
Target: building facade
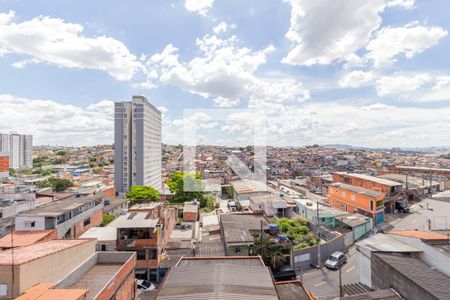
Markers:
point(137, 144)
point(355, 199)
point(4, 164)
point(19, 147)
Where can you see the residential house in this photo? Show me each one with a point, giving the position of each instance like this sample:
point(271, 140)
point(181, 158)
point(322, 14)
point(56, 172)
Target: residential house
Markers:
point(70, 217)
point(355, 199)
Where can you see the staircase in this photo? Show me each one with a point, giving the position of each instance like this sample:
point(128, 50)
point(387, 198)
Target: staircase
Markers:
point(355, 289)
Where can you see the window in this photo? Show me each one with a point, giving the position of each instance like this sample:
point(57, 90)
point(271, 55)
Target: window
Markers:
point(87, 222)
point(343, 194)
point(371, 205)
point(103, 248)
point(152, 254)
point(140, 254)
point(237, 250)
point(379, 203)
point(30, 224)
point(353, 197)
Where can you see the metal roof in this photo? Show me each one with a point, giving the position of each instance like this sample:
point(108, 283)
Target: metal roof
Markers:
point(419, 273)
point(224, 279)
point(60, 207)
point(383, 243)
point(238, 236)
point(243, 221)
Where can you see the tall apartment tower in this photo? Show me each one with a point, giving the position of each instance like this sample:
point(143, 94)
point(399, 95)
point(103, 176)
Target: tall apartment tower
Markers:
point(137, 144)
point(19, 148)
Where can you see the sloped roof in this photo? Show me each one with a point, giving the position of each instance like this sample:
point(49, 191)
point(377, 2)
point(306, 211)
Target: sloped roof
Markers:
point(423, 235)
point(23, 238)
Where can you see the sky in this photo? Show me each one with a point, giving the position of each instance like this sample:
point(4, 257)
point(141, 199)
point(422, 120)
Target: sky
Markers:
point(297, 72)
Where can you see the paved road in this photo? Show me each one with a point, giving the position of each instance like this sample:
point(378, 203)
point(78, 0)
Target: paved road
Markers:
point(324, 283)
point(425, 215)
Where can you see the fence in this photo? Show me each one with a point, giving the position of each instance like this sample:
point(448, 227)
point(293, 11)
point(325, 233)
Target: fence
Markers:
point(304, 258)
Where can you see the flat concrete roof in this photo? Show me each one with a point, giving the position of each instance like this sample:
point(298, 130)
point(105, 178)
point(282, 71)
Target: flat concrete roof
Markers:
point(107, 233)
point(135, 220)
point(249, 186)
point(59, 207)
point(29, 253)
point(97, 278)
point(370, 178)
point(360, 190)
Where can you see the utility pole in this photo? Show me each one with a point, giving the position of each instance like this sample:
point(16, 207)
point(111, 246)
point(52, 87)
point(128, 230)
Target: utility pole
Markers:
point(261, 239)
point(319, 261)
point(406, 189)
point(340, 282)
point(431, 187)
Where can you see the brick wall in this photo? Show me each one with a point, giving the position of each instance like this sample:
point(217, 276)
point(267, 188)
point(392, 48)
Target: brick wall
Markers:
point(96, 219)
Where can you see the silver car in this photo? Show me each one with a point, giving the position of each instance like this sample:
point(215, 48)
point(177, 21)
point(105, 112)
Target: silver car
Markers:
point(336, 260)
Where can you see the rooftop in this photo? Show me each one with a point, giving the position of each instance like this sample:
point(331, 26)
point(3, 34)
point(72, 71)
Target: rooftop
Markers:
point(383, 243)
point(59, 207)
point(361, 191)
point(190, 207)
point(145, 206)
point(29, 253)
point(108, 233)
point(218, 278)
point(249, 186)
point(243, 221)
point(238, 236)
point(370, 178)
point(354, 220)
point(291, 290)
point(97, 278)
point(47, 291)
point(23, 238)
point(135, 220)
point(423, 235)
point(429, 279)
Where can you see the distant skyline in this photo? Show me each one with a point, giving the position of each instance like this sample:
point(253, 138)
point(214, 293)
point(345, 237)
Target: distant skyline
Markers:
point(365, 73)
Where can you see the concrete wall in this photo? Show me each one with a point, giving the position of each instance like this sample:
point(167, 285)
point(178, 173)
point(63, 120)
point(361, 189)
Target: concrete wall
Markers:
point(70, 224)
point(20, 223)
point(363, 266)
point(385, 277)
point(431, 255)
point(231, 250)
point(50, 268)
point(304, 258)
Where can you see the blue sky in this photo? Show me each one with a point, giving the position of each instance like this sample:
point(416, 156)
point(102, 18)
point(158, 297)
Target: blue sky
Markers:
point(367, 73)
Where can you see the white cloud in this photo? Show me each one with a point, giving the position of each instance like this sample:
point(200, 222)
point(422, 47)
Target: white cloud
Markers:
point(223, 27)
point(225, 102)
point(57, 42)
point(224, 72)
point(356, 79)
point(54, 123)
point(408, 40)
point(198, 6)
point(439, 92)
point(323, 31)
point(408, 4)
point(388, 85)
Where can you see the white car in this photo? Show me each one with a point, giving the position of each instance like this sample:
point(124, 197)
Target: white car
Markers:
point(145, 285)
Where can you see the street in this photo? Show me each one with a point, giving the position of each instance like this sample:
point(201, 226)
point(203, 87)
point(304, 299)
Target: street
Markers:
point(324, 283)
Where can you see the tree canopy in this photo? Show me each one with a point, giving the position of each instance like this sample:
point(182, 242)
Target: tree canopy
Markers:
point(57, 184)
point(142, 194)
point(177, 182)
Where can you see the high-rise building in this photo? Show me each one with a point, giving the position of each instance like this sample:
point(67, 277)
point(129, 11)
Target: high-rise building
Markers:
point(19, 148)
point(137, 144)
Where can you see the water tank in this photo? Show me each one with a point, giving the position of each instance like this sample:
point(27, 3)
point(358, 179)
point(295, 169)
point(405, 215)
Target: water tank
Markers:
point(106, 202)
point(273, 228)
point(282, 237)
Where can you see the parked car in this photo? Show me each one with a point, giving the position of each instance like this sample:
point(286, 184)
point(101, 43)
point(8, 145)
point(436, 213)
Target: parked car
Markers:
point(284, 273)
point(144, 285)
point(402, 207)
point(336, 260)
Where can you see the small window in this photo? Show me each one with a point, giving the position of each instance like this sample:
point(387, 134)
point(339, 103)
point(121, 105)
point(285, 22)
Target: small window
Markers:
point(237, 250)
point(353, 197)
point(103, 248)
point(343, 194)
point(140, 254)
point(87, 222)
point(30, 224)
point(152, 254)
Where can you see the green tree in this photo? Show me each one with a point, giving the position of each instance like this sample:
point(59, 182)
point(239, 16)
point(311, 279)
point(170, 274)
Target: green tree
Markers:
point(97, 170)
point(272, 254)
point(12, 172)
point(93, 159)
point(207, 203)
point(177, 182)
point(142, 194)
point(61, 152)
point(107, 219)
point(57, 184)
